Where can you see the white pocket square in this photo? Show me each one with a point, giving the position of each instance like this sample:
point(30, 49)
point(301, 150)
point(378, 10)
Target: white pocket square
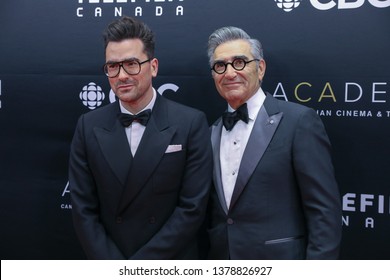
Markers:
point(173, 148)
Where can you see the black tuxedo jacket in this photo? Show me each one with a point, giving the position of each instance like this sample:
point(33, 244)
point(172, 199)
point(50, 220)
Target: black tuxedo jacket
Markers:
point(286, 203)
point(149, 206)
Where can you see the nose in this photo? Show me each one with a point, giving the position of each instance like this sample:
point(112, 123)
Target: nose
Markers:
point(230, 71)
point(122, 73)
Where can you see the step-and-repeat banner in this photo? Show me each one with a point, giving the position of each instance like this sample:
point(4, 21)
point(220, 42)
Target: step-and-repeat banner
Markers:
point(331, 55)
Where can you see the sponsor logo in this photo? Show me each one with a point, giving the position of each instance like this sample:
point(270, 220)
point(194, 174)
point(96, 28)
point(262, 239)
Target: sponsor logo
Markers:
point(339, 99)
point(65, 195)
point(344, 4)
point(92, 96)
point(289, 5)
point(137, 8)
point(361, 208)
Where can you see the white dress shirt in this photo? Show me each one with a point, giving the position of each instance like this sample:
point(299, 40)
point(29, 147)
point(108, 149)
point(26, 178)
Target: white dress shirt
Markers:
point(233, 145)
point(135, 131)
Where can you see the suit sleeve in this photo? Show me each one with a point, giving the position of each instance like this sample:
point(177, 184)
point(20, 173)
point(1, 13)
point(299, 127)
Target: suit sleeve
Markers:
point(319, 191)
point(183, 225)
point(85, 206)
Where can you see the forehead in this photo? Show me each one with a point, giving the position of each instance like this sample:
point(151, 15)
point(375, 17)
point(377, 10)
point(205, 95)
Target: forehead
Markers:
point(129, 48)
point(231, 49)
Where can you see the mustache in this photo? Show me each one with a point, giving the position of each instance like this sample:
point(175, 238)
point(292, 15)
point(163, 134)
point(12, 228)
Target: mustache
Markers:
point(125, 83)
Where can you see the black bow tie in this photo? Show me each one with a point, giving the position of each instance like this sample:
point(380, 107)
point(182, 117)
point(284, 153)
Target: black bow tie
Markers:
point(142, 118)
point(230, 119)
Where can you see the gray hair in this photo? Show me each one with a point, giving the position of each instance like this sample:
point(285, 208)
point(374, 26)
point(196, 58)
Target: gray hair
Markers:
point(231, 33)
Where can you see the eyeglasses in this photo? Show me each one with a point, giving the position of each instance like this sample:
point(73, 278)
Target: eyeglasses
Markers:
point(238, 64)
point(131, 67)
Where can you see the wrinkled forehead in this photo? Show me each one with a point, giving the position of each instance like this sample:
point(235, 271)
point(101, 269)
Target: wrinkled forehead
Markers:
point(232, 49)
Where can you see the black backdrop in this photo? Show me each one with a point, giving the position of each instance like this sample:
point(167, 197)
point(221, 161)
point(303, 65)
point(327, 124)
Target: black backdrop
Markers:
point(330, 55)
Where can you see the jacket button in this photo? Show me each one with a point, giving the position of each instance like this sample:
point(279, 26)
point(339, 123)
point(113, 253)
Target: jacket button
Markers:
point(152, 220)
point(119, 220)
point(230, 221)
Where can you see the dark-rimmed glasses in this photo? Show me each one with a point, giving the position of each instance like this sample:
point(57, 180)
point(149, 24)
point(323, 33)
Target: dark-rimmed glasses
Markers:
point(131, 67)
point(238, 64)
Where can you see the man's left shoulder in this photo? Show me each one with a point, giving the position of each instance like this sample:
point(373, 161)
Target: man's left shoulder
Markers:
point(289, 106)
point(180, 108)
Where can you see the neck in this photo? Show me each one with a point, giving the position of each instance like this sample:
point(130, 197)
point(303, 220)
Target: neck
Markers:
point(136, 106)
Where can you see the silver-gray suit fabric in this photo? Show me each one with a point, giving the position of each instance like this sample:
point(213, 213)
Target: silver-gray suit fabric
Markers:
point(286, 203)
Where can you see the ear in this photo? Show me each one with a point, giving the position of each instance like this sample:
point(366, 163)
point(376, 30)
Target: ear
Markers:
point(154, 67)
point(262, 67)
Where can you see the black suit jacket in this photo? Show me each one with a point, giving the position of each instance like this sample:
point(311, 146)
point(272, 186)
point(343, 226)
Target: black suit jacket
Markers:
point(149, 206)
point(286, 203)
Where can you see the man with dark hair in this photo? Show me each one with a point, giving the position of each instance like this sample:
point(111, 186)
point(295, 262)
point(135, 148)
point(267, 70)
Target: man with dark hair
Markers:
point(140, 168)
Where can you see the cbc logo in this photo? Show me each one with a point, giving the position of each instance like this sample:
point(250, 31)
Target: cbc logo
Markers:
point(92, 96)
point(289, 5)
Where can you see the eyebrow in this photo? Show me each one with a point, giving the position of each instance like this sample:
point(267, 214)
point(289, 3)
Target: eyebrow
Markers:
point(232, 58)
point(127, 59)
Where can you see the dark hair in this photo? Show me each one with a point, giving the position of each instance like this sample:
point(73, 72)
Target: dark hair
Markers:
point(130, 28)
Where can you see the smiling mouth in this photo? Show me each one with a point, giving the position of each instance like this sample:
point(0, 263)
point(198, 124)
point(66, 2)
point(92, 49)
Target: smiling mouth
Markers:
point(125, 86)
point(232, 84)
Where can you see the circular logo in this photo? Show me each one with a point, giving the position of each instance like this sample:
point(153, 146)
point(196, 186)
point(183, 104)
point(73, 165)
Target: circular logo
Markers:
point(92, 96)
point(288, 5)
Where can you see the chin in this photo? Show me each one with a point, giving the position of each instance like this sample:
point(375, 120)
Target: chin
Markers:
point(126, 95)
point(233, 95)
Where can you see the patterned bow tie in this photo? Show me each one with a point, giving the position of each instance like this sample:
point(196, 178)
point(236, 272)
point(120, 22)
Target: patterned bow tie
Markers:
point(230, 119)
point(142, 118)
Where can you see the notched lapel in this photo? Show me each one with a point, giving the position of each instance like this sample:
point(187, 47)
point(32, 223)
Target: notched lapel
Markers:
point(116, 150)
point(262, 133)
point(155, 140)
point(216, 144)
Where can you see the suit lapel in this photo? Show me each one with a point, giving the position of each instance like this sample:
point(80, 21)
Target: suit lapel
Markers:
point(154, 142)
point(114, 145)
point(261, 135)
point(216, 144)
